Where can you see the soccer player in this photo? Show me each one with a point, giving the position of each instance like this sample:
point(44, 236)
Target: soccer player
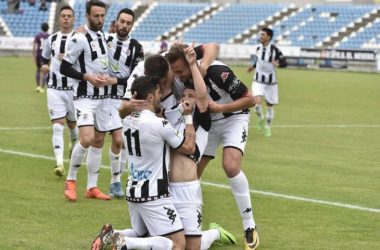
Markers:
point(268, 57)
point(60, 88)
point(86, 60)
point(229, 103)
point(124, 55)
point(184, 185)
point(38, 45)
point(147, 138)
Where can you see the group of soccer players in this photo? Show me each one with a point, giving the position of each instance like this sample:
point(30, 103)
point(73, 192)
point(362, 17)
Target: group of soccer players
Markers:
point(167, 116)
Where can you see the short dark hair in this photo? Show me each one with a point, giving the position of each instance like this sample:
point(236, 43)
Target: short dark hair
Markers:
point(144, 85)
point(67, 7)
point(268, 31)
point(127, 11)
point(156, 66)
point(176, 52)
point(190, 86)
point(91, 3)
point(44, 27)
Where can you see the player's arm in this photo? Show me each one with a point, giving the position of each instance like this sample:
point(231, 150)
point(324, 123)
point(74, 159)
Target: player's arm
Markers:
point(208, 53)
point(225, 79)
point(45, 58)
point(199, 84)
point(183, 143)
point(280, 60)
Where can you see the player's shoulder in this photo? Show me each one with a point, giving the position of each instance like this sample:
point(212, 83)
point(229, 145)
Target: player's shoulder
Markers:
point(135, 42)
point(217, 68)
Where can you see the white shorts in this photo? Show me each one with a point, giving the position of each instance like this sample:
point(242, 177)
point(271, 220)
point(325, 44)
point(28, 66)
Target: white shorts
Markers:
point(187, 199)
point(61, 104)
point(93, 113)
point(231, 131)
point(115, 122)
point(270, 92)
point(159, 217)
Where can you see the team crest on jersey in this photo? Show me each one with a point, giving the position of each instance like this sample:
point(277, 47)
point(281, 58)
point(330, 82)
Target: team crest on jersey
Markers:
point(110, 45)
point(128, 52)
point(54, 44)
point(224, 76)
point(93, 45)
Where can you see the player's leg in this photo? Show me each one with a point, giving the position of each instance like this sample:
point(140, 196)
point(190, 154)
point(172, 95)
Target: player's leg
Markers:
point(258, 92)
point(85, 118)
point(122, 242)
point(216, 233)
point(116, 189)
point(38, 76)
point(271, 98)
point(71, 121)
point(94, 157)
point(214, 140)
point(235, 135)
point(123, 159)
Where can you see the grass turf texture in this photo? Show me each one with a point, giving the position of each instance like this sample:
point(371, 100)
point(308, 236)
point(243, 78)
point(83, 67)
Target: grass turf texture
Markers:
point(315, 161)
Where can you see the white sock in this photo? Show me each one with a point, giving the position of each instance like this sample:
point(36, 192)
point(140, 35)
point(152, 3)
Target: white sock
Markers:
point(154, 243)
point(127, 232)
point(73, 135)
point(208, 237)
point(259, 111)
point(115, 169)
point(240, 190)
point(122, 160)
point(77, 158)
point(270, 116)
point(58, 142)
point(94, 159)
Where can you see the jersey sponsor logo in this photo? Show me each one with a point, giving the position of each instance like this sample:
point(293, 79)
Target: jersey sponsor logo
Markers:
point(224, 76)
point(115, 68)
point(139, 175)
point(171, 214)
point(104, 62)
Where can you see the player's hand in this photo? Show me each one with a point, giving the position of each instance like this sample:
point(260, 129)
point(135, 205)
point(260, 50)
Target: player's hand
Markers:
point(187, 108)
point(250, 68)
point(96, 80)
point(190, 54)
point(81, 29)
point(274, 63)
point(137, 105)
point(45, 69)
point(60, 56)
point(176, 42)
point(110, 80)
point(214, 107)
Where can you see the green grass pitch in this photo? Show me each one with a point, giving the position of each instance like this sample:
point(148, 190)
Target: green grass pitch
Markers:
point(315, 183)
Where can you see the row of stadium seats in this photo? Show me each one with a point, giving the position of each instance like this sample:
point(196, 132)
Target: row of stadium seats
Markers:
point(307, 27)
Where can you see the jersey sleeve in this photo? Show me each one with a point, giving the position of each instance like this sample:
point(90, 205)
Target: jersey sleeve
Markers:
point(46, 52)
point(139, 56)
point(172, 136)
point(225, 79)
point(137, 72)
point(74, 48)
point(204, 119)
point(280, 58)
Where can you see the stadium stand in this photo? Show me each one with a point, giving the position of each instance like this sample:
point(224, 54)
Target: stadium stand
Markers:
point(28, 22)
point(340, 26)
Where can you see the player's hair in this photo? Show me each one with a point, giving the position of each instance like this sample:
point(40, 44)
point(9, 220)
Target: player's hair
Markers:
point(176, 52)
point(44, 27)
point(91, 3)
point(67, 7)
point(190, 86)
point(144, 85)
point(127, 11)
point(156, 66)
point(268, 31)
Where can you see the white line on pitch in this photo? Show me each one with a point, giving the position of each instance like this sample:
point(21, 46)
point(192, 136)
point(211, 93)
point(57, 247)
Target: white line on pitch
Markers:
point(252, 126)
point(336, 204)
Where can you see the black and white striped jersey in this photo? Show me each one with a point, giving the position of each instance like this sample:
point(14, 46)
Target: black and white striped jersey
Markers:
point(222, 87)
point(137, 72)
point(265, 71)
point(148, 139)
point(88, 54)
point(201, 122)
point(123, 57)
point(55, 45)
